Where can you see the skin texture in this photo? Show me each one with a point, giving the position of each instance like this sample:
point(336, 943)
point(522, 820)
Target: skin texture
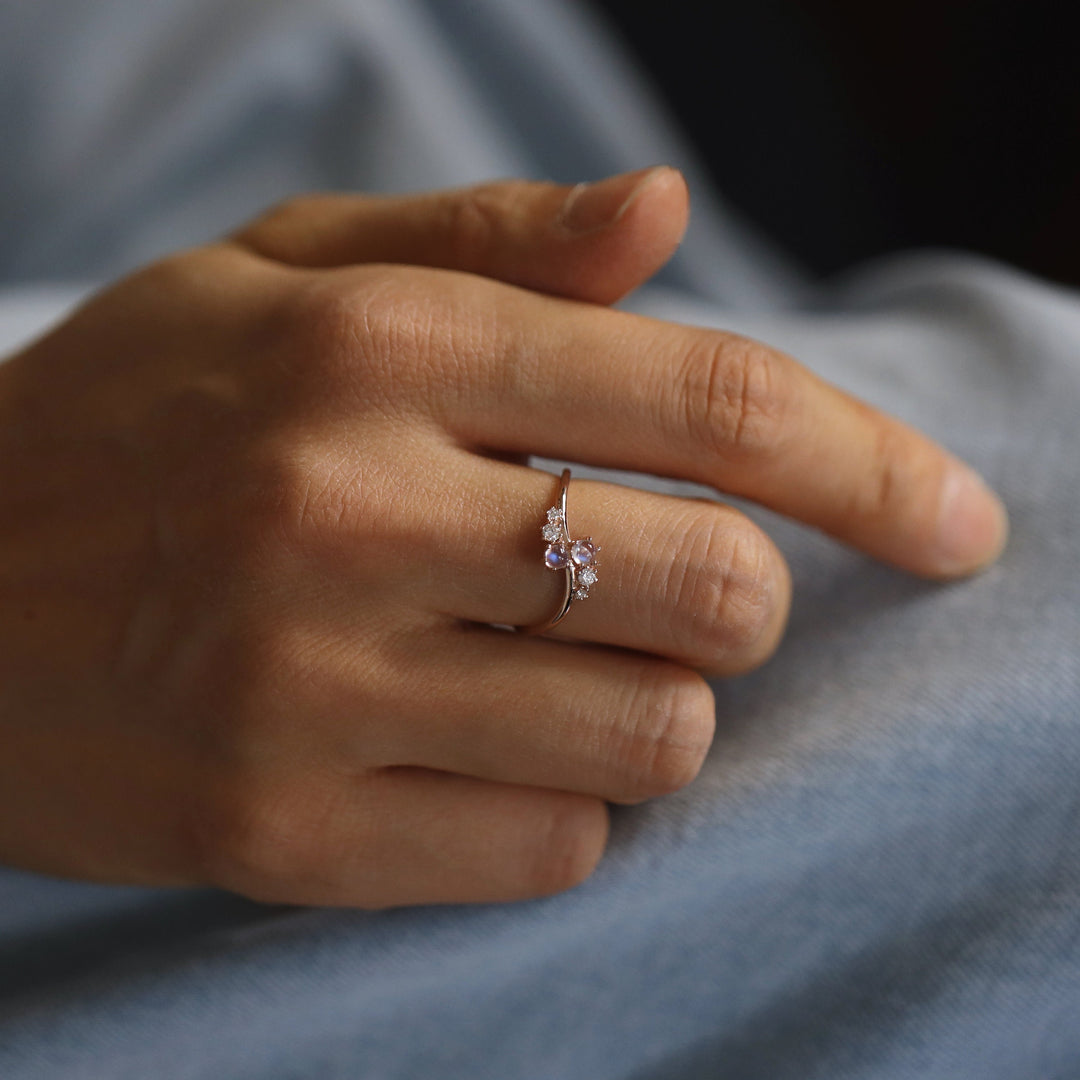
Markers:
point(261, 501)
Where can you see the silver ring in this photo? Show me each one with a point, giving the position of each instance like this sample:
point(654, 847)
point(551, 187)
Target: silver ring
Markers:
point(576, 558)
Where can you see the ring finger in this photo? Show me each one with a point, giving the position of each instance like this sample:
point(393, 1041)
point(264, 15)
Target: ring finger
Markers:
point(688, 579)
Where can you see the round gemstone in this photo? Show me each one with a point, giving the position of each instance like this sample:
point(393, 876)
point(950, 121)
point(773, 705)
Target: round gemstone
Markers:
point(552, 532)
point(582, 552)
point(555, 557)
point(587, 576)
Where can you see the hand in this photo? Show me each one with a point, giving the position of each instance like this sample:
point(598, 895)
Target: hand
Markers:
point(261, 501)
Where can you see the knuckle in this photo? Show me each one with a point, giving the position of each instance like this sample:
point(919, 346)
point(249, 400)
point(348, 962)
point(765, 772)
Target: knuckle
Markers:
point(313, 506)
point(330, 327)
point(175, 270)
point(732, 397)
point(475, 220)
point(892, 474)
point(288, 210)
point(258, 841)
point(322, 506)
point(268, 233)
point(281, 671)
point(721, 588)
point(569, 845)
point(193, 273)
point(672, 721)
point(388, 340)
point(296, 509)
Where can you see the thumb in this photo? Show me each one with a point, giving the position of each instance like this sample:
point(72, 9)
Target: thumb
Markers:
point(591, 242)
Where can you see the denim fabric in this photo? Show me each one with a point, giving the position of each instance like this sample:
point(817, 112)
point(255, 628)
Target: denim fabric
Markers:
point(876, 875)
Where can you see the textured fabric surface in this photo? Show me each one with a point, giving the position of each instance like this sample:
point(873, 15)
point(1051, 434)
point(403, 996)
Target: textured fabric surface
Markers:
point(877, 874)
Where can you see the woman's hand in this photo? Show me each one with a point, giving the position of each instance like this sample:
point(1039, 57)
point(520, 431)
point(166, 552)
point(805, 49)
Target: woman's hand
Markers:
point(260, 502)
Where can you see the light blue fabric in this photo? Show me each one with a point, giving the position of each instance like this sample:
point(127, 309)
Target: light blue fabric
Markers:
point(877, 874)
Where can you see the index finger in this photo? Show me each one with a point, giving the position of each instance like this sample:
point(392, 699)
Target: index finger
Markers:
point(573, 381)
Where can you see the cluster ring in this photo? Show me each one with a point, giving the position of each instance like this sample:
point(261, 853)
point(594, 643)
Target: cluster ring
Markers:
point(576, 558)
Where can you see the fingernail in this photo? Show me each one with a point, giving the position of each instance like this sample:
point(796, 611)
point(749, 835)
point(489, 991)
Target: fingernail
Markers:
point(590, 207)
point(973, 525)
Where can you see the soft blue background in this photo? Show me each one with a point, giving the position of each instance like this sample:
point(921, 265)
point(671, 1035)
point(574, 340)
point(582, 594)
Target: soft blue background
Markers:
point(877, 874)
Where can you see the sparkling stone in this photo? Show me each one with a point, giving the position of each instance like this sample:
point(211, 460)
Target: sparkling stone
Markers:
point(587, 576)
point(582, 552)
point(555, 514)
point(555, 557)
point(581, 594)
point(552, 532)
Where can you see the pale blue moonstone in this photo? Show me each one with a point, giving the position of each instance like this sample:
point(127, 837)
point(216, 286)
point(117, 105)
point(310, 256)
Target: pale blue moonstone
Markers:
point(582, 552)
point(555, 557)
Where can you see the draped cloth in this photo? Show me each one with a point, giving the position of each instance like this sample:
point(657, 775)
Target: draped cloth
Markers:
point(877, 873)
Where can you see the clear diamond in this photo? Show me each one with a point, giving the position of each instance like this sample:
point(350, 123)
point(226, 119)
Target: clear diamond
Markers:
point(587, 576)
point(581, 594)
point(555, 514)
point(551, 531)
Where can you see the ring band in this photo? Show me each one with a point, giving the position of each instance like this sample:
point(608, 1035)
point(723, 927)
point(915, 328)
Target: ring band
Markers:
point(576, 558)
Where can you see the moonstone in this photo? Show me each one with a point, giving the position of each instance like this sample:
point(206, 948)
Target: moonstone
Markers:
point(555, 557)
point(582, 552)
